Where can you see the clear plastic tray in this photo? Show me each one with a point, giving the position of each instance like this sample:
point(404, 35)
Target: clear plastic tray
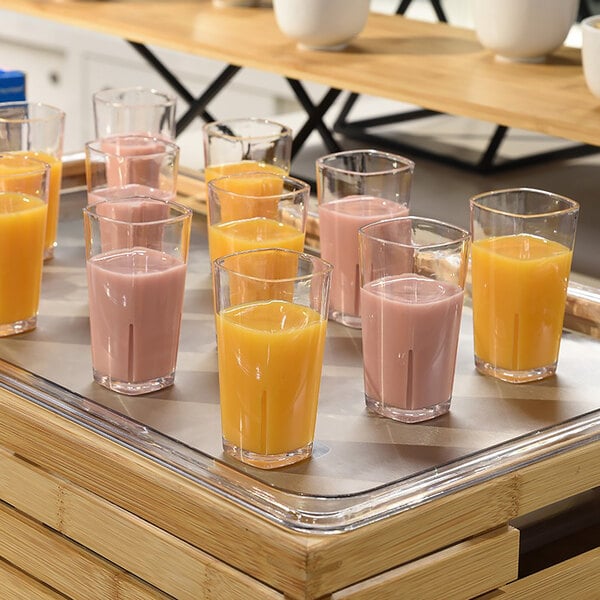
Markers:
point(364, 467)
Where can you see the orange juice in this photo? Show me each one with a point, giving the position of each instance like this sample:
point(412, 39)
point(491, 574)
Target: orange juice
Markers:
point(244, 166)
point(519, 293)
point(53, 199)
point(53, 196)
point(249, 196)
point(20, 177)
point(22, 225)
point(255, 276)
point(248, 234)
point(270, 357)
point(232, 206)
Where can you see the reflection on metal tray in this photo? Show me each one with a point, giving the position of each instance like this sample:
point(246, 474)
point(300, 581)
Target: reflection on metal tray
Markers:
point(364, 467)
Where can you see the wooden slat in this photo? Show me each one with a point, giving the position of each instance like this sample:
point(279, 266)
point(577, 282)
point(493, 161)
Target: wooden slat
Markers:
point(302, 566)
point(577, 578)
point(17, 585)
point(462, 571)
point(73, 171)
point(126, 540)
point(440, 523)
point(582, 312)
point(191, 190)
point(154, 493)
point(65, 566)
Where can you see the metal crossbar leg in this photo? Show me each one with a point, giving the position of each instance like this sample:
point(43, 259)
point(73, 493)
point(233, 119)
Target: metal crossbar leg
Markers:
point(342, 121)
point(315, 114)
point(436, 4)
point(197, 106)
point(485, 163)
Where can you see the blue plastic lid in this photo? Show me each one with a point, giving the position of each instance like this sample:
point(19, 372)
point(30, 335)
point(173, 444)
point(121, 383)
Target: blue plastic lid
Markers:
point(12, 86)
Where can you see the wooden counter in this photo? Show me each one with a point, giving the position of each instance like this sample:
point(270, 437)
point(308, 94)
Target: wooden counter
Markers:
point(431, 65)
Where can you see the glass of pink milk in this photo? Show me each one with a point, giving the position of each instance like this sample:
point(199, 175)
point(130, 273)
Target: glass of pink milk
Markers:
point(140, 110)
point(355, 188)
point(136, 260)
point(413, 273)
point(131, 165)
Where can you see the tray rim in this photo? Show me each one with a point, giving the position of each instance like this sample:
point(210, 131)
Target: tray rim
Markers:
point(303, 513)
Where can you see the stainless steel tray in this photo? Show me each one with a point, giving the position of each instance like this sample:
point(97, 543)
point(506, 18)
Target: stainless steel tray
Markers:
point(364, 467)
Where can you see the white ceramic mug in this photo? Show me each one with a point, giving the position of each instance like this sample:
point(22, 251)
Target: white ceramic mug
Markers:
point(523, 30)
point(319, 24)
point(590, 53)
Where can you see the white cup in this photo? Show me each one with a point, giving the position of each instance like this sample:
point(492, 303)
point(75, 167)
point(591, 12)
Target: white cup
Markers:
point(321, 24)
point(590, 53)
point(523, 30)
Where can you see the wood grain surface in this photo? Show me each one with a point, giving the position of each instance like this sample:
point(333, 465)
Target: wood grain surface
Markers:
point(578, 578)
point(432, 65)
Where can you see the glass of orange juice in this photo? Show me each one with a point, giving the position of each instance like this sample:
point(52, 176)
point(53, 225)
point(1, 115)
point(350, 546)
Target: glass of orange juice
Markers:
point(256, 210)
point(37, 130)
point(24, 184)
point(246, 144)
point(522, 247)
point(270, 342)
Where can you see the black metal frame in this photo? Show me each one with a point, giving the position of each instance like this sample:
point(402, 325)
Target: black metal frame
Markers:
point(197, 107)
point(485, 163)
point(358, 129)
point(436, 5)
